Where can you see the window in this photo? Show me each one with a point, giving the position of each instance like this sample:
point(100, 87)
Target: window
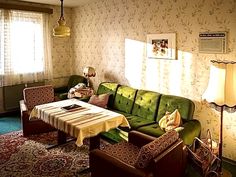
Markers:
point(24, 47)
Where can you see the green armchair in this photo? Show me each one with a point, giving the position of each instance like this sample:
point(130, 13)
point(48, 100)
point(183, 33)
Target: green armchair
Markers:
point(61, 92)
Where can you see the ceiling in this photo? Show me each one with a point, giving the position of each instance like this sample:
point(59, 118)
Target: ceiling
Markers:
point(67, 3)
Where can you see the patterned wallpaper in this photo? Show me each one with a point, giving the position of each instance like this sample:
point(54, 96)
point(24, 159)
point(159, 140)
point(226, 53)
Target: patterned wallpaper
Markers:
point(110, 35)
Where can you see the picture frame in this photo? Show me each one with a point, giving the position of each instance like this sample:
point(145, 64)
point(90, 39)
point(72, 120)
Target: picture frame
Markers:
point(161, 46)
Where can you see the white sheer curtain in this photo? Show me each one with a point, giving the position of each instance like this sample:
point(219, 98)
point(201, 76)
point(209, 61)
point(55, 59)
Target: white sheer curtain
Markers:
point(25, 47)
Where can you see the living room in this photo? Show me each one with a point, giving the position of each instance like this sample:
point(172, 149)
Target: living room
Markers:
point(111, 36)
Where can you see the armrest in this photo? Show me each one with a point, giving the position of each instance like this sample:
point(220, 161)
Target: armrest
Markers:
point(102, 164)
point(191, 129)
point(24, 111)
point(23, 106)
point(139, 139)
point(173, 157)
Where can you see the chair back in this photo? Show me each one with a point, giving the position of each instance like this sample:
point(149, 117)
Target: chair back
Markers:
point(34, 96)
point(74, 80)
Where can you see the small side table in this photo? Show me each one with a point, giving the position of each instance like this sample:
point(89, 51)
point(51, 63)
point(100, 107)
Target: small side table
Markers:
point(80, 93)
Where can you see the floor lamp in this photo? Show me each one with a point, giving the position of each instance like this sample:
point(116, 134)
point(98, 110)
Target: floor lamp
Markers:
point(221, 92)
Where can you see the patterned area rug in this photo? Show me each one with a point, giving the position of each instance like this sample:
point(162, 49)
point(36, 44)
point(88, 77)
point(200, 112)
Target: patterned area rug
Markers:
point(28, 157)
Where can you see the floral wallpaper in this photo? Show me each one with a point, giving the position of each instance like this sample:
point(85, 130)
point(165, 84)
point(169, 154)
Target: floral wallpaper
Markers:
point(110, 35)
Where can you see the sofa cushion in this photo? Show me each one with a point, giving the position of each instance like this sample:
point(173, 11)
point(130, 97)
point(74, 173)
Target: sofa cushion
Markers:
point(136, 122)
point(152, 129)
point(168, 103)
point(187, 132)
point(121, 112)
point(145, 105)
point(108, 87)
point(124, 99)
point(99, 100)
point(170, 120)
point(155, 148)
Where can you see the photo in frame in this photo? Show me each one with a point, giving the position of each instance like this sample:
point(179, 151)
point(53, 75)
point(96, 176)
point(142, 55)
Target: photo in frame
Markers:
point(162, 46)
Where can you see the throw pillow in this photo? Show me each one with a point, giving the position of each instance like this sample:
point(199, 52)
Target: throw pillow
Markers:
point(99, 100)
point(170, 121)
point(154, 148)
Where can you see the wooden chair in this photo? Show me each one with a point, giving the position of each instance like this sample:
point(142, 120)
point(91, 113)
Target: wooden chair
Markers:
point(34, 96)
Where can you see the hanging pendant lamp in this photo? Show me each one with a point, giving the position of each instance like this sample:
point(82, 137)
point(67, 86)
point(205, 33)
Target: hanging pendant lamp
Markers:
point(61, 30)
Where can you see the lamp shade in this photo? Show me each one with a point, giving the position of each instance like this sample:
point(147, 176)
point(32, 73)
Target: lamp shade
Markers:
point(61, 30)
point(221, 89)
point(89, 72)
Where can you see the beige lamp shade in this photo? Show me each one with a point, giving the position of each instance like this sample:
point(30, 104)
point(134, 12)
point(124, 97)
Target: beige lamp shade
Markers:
point(221, 89)
point(61, 30)
point(89, 72)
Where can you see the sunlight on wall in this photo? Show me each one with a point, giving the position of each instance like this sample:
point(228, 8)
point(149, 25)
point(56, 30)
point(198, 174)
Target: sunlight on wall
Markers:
point(134, 52)
point(152, 74)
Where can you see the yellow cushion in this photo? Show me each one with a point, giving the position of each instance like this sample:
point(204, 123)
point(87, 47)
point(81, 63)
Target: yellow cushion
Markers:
point(170, 121)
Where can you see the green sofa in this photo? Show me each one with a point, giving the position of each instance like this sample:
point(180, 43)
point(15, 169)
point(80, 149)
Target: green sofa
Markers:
point(143, 109)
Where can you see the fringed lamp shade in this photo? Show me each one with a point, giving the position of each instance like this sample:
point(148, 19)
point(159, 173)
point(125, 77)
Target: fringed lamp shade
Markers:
point(221, 92)
point(221, 88)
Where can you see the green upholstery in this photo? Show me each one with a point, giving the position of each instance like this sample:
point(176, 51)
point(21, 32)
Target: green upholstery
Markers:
point(136, 122)
point(190, 130)
point(153, 130)
point(121, 112)
point(74, 80)
point(108, 87)
point(143, 109)
point(124, 99)
point(169, 103)
point(145, 105)
point(62, 92)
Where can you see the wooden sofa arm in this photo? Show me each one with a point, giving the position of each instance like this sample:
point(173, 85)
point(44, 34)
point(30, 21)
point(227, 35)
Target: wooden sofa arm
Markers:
point(103, 165)
point(139, 139)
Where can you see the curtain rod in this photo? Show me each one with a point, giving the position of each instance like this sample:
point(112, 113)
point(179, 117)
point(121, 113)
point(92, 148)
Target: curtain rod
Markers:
point(26, 8)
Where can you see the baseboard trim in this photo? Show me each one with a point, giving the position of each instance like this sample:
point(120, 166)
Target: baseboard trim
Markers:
point(232, 162)
point(10, 113)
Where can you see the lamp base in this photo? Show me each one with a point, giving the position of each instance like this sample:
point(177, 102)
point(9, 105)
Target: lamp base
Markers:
point(225, 173)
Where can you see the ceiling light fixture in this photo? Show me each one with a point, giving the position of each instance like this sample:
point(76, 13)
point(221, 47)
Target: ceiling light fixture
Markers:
point(61, 30)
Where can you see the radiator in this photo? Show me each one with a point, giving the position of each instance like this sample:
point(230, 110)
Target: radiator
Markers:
point(13, 94)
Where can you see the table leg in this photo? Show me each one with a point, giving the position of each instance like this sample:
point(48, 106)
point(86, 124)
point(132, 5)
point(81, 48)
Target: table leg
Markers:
point(61, 137)
point(94, 142)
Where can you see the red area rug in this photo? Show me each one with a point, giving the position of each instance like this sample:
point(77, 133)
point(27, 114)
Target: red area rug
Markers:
point(28, 157)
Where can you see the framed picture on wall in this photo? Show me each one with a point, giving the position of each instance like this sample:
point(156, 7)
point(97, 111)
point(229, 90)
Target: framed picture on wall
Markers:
point(162, 46)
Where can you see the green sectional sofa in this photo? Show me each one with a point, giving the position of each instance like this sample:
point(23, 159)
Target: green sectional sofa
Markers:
point(143, 109)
